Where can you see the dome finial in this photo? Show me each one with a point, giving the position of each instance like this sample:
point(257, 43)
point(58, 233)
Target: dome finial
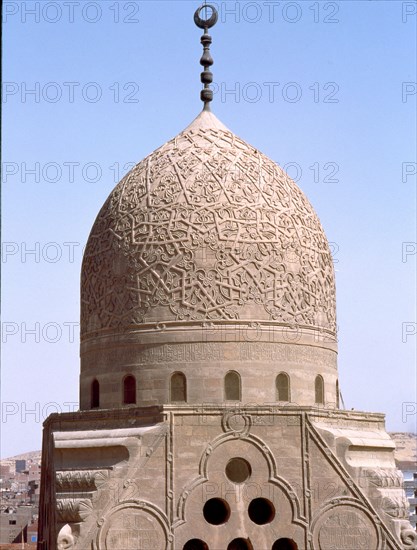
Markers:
point(206, 59)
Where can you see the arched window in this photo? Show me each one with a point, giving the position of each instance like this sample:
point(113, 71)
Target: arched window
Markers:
point(319, 390)
point(283, 387)
point(232, 387)
point(129, 390)
point(337, 395)
point(95, 394)
point(178, 388)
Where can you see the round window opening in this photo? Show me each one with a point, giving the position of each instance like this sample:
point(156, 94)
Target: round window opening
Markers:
point(238, 470)
point(216, 511)
point(261, 511)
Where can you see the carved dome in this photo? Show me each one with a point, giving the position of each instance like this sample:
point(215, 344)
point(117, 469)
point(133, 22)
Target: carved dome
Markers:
point(207, 265)
point(206, 228)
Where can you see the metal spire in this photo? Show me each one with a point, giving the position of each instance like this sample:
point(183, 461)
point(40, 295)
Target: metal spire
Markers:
point(206, 59)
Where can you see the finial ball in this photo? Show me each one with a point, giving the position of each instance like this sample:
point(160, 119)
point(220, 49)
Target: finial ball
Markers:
point(206, 23)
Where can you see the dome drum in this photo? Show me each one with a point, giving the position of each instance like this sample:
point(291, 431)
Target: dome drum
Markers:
point(205, 366)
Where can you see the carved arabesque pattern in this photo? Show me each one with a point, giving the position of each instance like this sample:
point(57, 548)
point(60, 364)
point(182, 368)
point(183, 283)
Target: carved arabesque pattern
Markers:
point(207, 228)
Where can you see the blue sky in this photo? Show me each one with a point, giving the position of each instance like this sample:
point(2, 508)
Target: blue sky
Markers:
point(326, 89)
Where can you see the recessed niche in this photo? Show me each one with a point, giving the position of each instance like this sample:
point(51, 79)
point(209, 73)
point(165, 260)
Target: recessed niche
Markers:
point(238, 470)
point(216, 511)
point(261, 511)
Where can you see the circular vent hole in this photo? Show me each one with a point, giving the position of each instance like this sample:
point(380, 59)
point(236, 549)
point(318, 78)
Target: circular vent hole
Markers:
point(261, 511)
point(238, 470)
point(284, 544)
point(216, 511)
point(240, 544)
point(195, 544)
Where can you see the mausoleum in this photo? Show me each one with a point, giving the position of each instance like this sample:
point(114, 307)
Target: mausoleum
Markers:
point(209, 398)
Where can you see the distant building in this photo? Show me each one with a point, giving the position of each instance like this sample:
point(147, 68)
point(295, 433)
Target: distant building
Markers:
point(34, 480)
point(14, 522)
point(406, 460)
point(5, 471)
point(20, 465)
point(8, 466)
point(32, 532)
point(410, 486)
point(34, 471)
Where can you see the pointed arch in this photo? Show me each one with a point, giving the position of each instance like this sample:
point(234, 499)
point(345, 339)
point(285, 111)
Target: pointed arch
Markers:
point(129, 390)
point(95, 394)
point(282, 384)
point(232, 386)
point(178, 388)
point(319, 390)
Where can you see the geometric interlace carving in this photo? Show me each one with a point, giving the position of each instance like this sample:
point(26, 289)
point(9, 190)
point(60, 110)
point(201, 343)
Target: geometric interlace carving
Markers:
point(207, 228)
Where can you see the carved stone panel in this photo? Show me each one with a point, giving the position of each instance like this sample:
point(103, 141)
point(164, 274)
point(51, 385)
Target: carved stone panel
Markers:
point(344, 527)
point(130, 528)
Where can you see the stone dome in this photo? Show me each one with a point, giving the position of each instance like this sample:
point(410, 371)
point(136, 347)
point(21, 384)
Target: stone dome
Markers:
point(205, 235)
